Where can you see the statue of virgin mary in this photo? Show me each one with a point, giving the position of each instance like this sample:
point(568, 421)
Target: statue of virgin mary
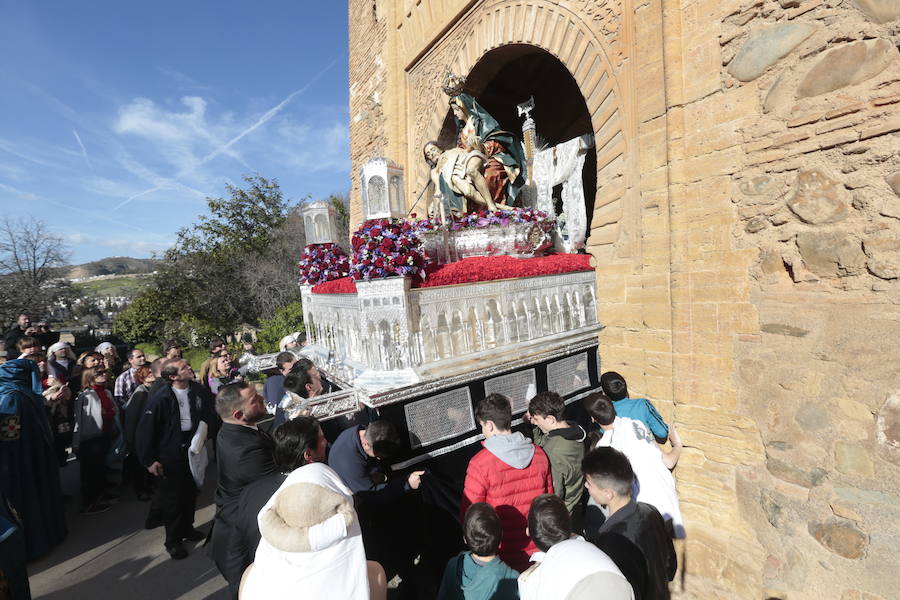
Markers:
point(504, 169)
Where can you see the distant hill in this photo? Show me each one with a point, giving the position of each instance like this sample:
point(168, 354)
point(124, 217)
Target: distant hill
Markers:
point(113, 265)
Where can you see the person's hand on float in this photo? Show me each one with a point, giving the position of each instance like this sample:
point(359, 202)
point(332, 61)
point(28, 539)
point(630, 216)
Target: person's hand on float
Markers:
point(415, 479)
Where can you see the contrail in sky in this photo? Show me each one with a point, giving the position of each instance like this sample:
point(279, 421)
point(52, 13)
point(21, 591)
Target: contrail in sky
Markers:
point(268, 116)
point(272, 112)
point(83, 151)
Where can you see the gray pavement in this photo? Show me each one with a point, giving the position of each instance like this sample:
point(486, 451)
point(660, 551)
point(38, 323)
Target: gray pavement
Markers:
point(111, 555)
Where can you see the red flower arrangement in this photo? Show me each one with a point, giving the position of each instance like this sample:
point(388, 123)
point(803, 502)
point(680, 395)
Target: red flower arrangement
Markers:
point(492, 268)
point(480, 268)
point(323, 262)
point(386, 248)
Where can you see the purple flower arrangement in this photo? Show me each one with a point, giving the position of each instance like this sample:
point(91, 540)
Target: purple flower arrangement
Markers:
point(498, 218)
point(386, 248)
point(323, 262)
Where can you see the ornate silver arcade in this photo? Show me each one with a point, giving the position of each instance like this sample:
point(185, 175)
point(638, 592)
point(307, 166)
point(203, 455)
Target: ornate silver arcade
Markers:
point(319, 222)
point(382, 189)
point(390, 334)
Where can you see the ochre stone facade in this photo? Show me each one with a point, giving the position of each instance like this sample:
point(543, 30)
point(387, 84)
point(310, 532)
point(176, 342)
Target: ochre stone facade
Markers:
point(746, 234)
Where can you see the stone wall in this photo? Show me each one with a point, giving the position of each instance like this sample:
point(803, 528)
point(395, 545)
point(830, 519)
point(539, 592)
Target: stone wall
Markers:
point(747, 246)
point(368, 86)
point(816, 201)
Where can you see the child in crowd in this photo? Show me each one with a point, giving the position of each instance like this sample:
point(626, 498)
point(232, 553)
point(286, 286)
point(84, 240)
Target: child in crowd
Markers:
point(640, 409)
point(508, 473)
point(567, 567)
point(564, 444)
point(631, 526)
point(654, 482)
point(479, 574)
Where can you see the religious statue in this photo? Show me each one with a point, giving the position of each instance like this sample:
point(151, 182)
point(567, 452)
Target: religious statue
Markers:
point(457, 175)
point(504, 170)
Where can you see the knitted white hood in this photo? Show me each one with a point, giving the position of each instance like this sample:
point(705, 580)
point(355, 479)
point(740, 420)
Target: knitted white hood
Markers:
point(311, 541)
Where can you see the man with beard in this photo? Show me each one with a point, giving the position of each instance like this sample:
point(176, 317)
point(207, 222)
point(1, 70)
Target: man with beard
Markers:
point(244, 454)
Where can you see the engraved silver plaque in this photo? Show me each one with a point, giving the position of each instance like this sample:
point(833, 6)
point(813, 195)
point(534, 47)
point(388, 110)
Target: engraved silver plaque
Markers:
point(519, 387)
point(568, 375)
point(439, 418)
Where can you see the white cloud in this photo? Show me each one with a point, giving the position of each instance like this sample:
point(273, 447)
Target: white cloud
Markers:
point(180, 137)
point(325, 148)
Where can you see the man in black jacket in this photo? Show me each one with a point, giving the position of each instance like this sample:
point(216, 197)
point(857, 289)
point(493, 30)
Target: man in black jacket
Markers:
point(164, 432)
point(15, 333)
point(634, 534)
point(244, 454)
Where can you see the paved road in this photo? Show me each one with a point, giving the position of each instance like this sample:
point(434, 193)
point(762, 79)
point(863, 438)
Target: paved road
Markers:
point(111, 555)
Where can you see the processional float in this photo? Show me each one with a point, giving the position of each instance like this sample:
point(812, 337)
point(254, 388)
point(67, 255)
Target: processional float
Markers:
point(423, 317)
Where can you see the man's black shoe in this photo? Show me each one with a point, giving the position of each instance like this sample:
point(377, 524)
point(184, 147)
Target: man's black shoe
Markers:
point(176, 551)
point(195, 535)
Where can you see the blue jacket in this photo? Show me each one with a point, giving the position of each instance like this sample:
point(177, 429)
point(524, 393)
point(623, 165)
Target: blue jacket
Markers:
point(640, 409)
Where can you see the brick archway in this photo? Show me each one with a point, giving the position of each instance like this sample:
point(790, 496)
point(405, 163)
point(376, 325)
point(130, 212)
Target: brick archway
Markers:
point(595, 64)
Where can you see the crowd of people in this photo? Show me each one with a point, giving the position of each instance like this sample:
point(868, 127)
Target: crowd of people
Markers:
point(577, 500)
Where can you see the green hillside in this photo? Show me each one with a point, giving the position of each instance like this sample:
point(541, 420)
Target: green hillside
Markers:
point(123, 285)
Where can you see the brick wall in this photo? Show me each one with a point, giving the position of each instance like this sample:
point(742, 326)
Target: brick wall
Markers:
point(368, 84)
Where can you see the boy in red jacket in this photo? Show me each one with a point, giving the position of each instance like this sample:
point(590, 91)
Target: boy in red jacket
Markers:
point(508, 473)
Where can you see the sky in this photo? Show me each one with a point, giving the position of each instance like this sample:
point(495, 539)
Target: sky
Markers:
point(118, 119)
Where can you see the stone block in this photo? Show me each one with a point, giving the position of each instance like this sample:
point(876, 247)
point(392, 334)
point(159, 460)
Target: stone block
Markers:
point(893, 180)
point(765, 47)
point(847, 64)
point(888, 125)
point(841, 537)
point(844, 512)
point(819, 198)
point(855, 410)
point(861, 496)
point(813, 417)
point(830, 253)
point(763, 184)
point(778, 96)
point(853, 459)
point(879, 11)
point(883, 250)
point(792, 474)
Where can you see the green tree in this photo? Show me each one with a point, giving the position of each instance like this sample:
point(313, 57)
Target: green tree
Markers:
point(143, 320)
point(201, 285)
point(286, 319)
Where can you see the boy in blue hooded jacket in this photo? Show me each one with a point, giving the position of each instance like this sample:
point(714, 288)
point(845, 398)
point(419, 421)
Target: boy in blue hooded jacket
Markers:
point(479, 574)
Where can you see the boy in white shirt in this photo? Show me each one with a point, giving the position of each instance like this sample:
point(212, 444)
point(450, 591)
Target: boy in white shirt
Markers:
point(654, 483)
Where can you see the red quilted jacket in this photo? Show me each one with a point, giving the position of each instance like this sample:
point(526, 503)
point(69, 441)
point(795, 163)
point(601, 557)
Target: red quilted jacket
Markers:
point(510, 491)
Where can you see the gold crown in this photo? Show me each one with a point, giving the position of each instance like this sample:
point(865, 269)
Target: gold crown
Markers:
point(453, 84)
